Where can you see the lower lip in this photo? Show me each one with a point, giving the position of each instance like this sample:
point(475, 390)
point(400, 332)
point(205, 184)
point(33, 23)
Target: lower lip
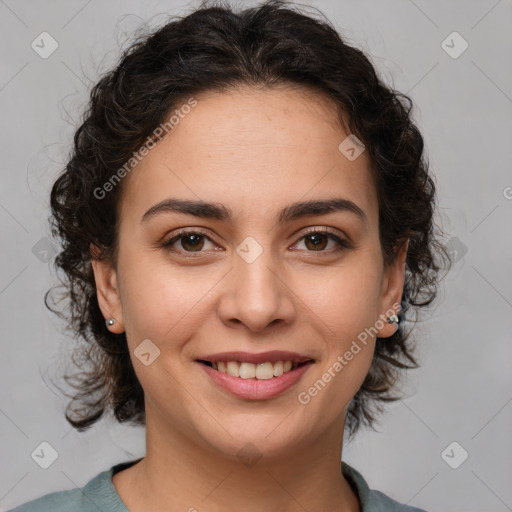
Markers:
point(254, 389)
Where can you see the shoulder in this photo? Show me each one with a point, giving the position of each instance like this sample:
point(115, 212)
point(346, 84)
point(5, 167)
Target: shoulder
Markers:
point(56, 501)
point(372, 500)
point(98, 494)
point(383, 503)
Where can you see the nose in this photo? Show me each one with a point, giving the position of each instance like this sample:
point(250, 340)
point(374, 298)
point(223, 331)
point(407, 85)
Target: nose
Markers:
point(256, 294)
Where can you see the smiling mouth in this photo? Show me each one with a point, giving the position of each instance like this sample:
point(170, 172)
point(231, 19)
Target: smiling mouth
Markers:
point(262, 371)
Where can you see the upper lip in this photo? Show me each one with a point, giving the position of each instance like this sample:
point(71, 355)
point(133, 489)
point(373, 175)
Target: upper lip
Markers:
point(262, 357)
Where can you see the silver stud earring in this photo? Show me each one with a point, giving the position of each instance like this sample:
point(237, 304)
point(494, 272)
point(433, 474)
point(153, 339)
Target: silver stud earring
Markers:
point(393, 319)
point(110, 321)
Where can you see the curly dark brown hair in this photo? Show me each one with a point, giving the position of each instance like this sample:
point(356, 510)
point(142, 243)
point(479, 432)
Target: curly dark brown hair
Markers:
point(215, 48)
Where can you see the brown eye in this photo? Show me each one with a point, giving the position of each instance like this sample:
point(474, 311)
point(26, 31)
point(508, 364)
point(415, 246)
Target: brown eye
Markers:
point(192, 242)
point(187, 242)
point(317, 241)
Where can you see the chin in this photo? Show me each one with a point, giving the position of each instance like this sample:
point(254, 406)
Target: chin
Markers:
point(252, 438)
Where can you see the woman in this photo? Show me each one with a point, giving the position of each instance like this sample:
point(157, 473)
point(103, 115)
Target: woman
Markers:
point(246, 222)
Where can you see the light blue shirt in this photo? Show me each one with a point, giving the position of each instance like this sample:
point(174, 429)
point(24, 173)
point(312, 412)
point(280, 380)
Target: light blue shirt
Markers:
point(100, 495)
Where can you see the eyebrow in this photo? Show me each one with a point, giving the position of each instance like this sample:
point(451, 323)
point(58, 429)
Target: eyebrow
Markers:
point(294, 211)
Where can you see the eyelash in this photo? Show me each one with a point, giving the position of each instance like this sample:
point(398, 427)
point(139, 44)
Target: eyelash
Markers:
point(342, 244)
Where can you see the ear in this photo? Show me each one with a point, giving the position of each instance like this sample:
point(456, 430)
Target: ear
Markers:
point(107, 290)
point(392, 288)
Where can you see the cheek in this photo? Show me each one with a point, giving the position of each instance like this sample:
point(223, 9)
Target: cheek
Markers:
point(159, 299)
point(345, 310)
point(144, 294)
point(345, 297)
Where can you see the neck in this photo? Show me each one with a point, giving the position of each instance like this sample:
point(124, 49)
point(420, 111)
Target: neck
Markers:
point(192, 476)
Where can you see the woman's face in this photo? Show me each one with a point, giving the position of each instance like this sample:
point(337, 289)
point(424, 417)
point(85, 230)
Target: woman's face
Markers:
point(254, 279)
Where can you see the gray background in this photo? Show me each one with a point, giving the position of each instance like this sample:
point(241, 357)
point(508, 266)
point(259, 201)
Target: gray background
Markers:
point(463, 390)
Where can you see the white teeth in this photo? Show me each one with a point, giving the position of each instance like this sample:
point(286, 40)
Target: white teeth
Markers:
point(278, 368)
point(247, 370)
point(233, 368)
point(265, 371)
point(262, 371)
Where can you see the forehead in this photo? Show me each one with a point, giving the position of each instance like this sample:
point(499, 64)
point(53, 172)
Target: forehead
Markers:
point(253, 150)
